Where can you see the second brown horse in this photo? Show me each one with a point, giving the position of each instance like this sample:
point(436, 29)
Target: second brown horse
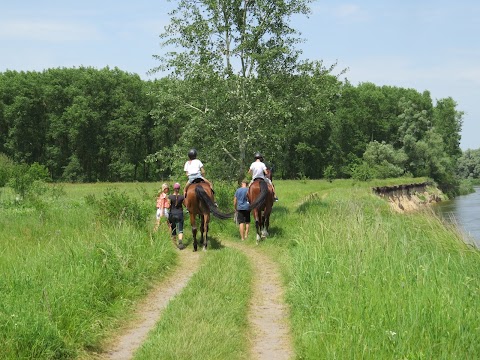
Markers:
point(260, 196)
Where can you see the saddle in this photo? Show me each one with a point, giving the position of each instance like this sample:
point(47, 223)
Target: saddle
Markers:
point(197, 180)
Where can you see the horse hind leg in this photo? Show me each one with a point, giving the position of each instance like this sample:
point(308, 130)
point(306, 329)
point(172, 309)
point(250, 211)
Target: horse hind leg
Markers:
point(266, 223)
point(194, 234)
point(264, 233)
point(257, 227)
point(204, 230)
point(206, 237)
point(203, 237)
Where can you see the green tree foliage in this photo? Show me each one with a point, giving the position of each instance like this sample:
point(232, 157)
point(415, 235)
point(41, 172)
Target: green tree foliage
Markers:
point(83, 124)
point(6, 168)
point(448, 123)
point(233, 53)
point(235, 86)
point(303, 119)
point(415, 124)
point(425, 147)
point(28, 179)
point(363, 114)
point(384, 161)
point(24, 102)
point(468, 165)
point(87, 125)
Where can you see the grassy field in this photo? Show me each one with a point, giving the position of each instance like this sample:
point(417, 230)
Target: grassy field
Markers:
point(367, 283)
point(69, 277)
point(362, 281)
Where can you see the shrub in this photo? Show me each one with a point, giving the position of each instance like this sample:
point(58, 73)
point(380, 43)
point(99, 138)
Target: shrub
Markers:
point(384, 161)
point(6, 167)
point(29, 179)
point(117, 206)
point(362, 172)
point(329, 173)
point(223, 194)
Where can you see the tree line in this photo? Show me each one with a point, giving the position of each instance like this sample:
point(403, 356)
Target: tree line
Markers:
point(233, 85)
point(86, 124)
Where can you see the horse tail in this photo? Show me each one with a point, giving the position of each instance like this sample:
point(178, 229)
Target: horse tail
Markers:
point(203, 196)
point(260, 200)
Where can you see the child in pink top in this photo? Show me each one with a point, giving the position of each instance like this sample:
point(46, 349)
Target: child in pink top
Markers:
point(163, 205)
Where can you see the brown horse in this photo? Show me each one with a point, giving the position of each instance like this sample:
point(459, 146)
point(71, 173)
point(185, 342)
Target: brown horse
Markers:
point(260, 196)
point(199, 201)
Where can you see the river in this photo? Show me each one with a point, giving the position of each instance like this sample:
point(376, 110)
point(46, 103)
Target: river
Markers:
point(465, 211)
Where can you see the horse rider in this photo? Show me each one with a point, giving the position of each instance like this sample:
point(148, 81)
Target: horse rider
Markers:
point(194, 170)
point(259, 170)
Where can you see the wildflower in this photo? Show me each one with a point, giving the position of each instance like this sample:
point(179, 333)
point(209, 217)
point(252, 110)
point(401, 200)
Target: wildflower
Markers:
point(391, 333)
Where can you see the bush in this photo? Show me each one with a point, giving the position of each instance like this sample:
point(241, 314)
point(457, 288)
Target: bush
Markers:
point(6, 168)
point(386, 170)
point(384, 161)
point(466, 187)
point(29, 179)
point(73, 172)
point(117, 206)
point(224, 194)
point(329, 173)
point(362, 172)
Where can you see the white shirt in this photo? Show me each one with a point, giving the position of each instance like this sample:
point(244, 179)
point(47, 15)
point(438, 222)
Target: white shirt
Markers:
point(257, 168)
point(192, 167)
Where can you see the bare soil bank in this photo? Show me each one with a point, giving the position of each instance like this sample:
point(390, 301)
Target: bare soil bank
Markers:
point(410, 197)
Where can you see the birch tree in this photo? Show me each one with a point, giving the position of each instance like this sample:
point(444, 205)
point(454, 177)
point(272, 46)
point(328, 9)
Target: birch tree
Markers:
point(225, 50)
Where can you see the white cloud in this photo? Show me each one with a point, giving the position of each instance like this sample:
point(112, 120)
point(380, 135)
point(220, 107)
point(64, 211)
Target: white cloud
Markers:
point(46, 31)
point(350, 13)
point(403, 70)
point(347, 10)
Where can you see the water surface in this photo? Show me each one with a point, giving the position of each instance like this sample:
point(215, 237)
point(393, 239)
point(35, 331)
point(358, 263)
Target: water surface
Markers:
point(465, 211)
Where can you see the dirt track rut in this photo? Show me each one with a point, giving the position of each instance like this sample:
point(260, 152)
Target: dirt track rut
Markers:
point(268, 317)
point(149, 311)
point(268, 313)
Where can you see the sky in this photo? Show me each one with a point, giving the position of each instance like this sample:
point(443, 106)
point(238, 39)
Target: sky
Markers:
point(420, 44)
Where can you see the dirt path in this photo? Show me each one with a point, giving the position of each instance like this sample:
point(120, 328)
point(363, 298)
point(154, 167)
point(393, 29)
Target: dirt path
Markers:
point(150, 309)
point(268, 316)
point(270, 335)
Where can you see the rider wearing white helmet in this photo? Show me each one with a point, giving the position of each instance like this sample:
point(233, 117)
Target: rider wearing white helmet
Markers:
point(259, 170)
point(194, 170)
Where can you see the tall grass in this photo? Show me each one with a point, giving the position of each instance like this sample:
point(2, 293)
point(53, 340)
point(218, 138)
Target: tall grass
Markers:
point(367, 283)
point(209, 319)
point(362, 281)
point(68, 279)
